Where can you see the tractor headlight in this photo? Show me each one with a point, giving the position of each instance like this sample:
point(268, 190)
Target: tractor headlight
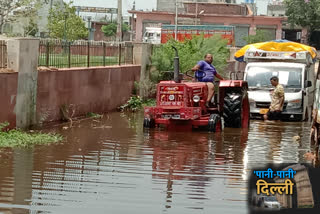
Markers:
point(196, 98)
point(294, 103)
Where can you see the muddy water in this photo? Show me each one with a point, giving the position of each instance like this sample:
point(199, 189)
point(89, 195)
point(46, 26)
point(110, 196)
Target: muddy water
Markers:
point(112, 166)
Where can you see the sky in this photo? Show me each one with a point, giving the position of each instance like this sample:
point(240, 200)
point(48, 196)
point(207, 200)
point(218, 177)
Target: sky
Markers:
point(126, 4)
point(146, 4)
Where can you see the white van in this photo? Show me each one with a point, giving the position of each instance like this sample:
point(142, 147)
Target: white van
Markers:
point(295, 73)
point(270, 202)
point(152, 35)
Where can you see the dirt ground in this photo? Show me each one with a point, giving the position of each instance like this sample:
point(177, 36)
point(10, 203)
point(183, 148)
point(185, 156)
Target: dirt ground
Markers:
point(6, 70)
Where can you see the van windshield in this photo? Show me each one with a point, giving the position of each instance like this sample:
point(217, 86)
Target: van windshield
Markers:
point(258, 77)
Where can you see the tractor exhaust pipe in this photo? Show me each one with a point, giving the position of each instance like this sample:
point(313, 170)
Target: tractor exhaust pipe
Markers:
point(176, 77)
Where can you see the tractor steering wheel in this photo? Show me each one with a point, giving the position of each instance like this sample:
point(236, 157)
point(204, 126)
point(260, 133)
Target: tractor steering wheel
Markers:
point(198, 74)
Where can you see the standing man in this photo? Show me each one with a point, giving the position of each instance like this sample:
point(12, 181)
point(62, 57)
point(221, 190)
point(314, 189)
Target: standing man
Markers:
point(210, 71)
point(277, 101)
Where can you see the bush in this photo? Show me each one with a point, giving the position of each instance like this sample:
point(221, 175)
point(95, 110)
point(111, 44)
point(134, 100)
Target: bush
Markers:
point(261, 36)
point(136, 103)
point(133, 104)
point(190, 52)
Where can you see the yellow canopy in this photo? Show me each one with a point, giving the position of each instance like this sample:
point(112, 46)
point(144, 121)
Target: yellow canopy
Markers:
point(277, 46)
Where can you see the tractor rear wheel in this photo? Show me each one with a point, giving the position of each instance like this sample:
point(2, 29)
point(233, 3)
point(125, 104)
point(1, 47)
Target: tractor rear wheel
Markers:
point(232, 110)
point(236, 110)
point(214, 123)
point(148, 123)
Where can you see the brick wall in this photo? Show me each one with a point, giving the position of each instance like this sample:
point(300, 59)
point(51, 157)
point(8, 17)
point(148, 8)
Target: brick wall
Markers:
point(225, 9)
point(99, 89)
point(8, 93)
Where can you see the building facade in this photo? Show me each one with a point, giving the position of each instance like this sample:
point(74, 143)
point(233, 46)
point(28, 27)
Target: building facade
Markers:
point(238, 15)
point(169, 5)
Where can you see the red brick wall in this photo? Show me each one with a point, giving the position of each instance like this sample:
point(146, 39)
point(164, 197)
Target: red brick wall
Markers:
point(95, 90)
point(225, 9)
point(90, 90)
point(8, 93)
point(99, 35)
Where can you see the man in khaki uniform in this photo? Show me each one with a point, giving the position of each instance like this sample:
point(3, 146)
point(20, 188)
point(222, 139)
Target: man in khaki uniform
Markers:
point(277, 101)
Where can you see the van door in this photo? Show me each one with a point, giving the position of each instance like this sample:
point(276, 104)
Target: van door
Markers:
point(310, 91)
point(305, 93)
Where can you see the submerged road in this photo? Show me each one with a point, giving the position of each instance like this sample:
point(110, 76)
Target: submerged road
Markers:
point(112, 166)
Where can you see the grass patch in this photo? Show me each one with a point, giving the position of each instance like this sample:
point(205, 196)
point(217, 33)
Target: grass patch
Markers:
point(62, 61)
point(306, 206)
point(17, 138)
point(93, 115)
point(135, 103)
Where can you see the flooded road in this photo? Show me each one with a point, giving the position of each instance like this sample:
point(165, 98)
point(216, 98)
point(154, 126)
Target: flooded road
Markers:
point(112, 166)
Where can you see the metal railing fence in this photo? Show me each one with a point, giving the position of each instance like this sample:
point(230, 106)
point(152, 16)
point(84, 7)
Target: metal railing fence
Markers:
point(66, 54)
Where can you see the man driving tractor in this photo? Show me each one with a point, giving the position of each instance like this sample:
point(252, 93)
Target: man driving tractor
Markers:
point(210, 72)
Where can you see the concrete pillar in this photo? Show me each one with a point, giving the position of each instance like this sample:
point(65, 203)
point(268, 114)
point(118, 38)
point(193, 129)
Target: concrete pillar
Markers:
point(279, 32)
point(304, 36)
point(252, 30)
point(232, 50)
point(139, 29)
point(142, 53)
point(23, 58)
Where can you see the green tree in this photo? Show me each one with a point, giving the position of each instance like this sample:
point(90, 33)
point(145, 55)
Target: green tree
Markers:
point(32, 29)
point(10, 10)
point(190, 52)
point(62, 20)
point(110, 30)
point(304, 13)
point(261, 36)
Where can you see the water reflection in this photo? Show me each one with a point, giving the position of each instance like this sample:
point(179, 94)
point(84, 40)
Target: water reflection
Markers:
point(111, 165)
point(273, 142)
point(200, 160)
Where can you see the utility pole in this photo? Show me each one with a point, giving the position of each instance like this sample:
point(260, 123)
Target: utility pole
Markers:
point(176, 22)
point(196, 13)
point(119, 27)
point(132, 21)
point(78, 11)
point(89, 28)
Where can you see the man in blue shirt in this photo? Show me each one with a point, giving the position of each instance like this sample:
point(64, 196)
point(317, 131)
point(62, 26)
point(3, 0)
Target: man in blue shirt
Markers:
point(210, 71)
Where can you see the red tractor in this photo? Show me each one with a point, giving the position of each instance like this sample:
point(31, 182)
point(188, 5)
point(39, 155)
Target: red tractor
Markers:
point(181, 104)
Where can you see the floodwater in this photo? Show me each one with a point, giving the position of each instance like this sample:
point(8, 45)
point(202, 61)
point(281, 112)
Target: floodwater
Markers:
point(112, 166)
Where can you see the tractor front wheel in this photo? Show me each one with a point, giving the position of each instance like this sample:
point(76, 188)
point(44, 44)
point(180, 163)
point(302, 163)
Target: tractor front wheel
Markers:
point(214, 123)
point(148, 123)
